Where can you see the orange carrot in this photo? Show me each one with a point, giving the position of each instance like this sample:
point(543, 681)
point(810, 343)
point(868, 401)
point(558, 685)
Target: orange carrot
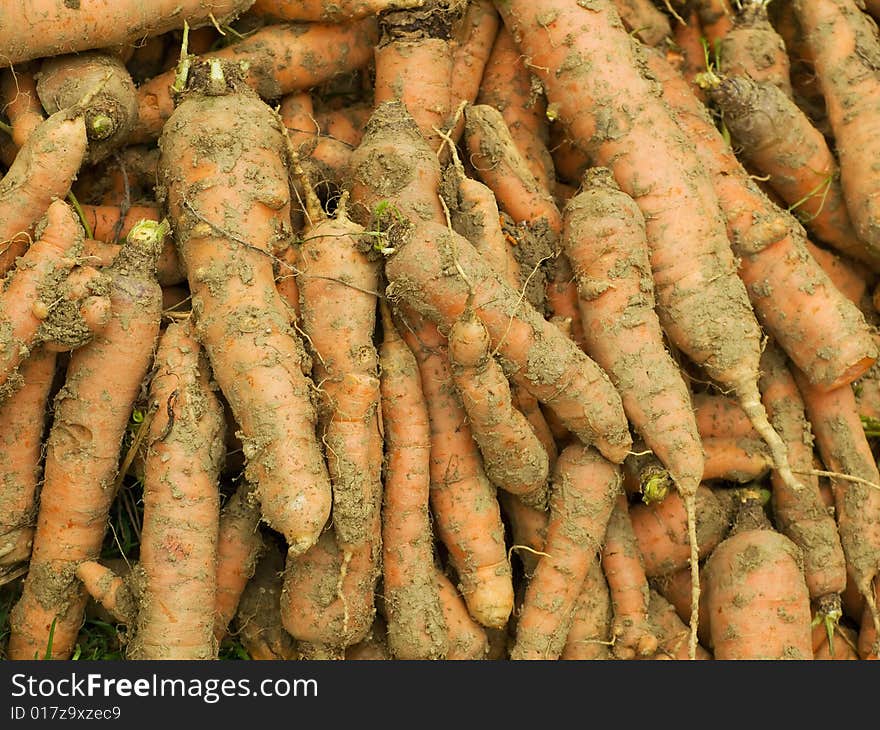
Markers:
point(845, 450)
point(257, 622)
point(49, 28)
point(845, 68)
point(735, 459)
point(21, 103)
point(676, 589)
point(704, 310)
point(756, 593)
point(474, 44)
point(82, 451)
point(395, 171)
point(178, 551)
point(239, 546)
point(513, 456)
point(47, 300)
point(777, 140)
point(43, 169)
point(589, 636)
point(802, 516)
point(578, 391)
point(241, 319)
point(110, 590)
point(624, 569)
point(644, 20)
point(770, 244)
point(661, 530)
point(671, 632)
point(585, 486)
point(507, 87)
point(416, 627)
point(716, 18)
point(688, 56)
point(467, 639)
point(719, 416)
point(281, 59)
point(22, 422)
point(849, 278)
point(316, 11)
point(373, 647)
point(111, 110)
point(414, 61)
point(753, 48)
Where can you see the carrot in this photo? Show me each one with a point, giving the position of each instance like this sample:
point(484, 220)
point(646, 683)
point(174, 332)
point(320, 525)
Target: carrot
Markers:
point(239, 547)
point(802, 516)
point(373, 647)
point(719, 416)
point(688, 56)
point(845, 450)
point(672, 634)
point(50, 27)
point(644, 20)
point(508, 87)
point(735, 459)
point(770, 245)
point(624, 569)
point(178, 554)
point(128, 178)
point(258, 619)
point(703, 309)
point(112, 108)
point(82, 451)
point(569, 160)
point(394, 170)
point(676, 589)
point(841, 647)
point(414, 61)
point(500, 165)
point(777, 140)
point(756, 593)
point(147, 58)
point(589, 636)
point(845, 274)
point(282, 59)
point(109, 590)
point(327, 597)
point(716, 18)
point(585, 486)
point(338, 283)
point(644, 474)
point(467, 639)
point(753, 48)
point(240, 319)
point(318, 11)
point(43, 169)
point(852, 95)
point(661, 531)
point(22, 423)
point(416, 626)
point(473, 46)
point(21, 103)
point(513, 456)
point(47, 300)
point(571, 387)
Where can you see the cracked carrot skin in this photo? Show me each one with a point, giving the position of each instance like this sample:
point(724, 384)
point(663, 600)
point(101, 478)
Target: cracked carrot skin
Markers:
point(240, 318)
point(44, 169)
point(585, 486)
point(178, 551)
point(277, 58)
point(92, 412)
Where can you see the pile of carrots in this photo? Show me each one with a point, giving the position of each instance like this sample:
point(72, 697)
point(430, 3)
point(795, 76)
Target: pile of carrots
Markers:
point(441, 329)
